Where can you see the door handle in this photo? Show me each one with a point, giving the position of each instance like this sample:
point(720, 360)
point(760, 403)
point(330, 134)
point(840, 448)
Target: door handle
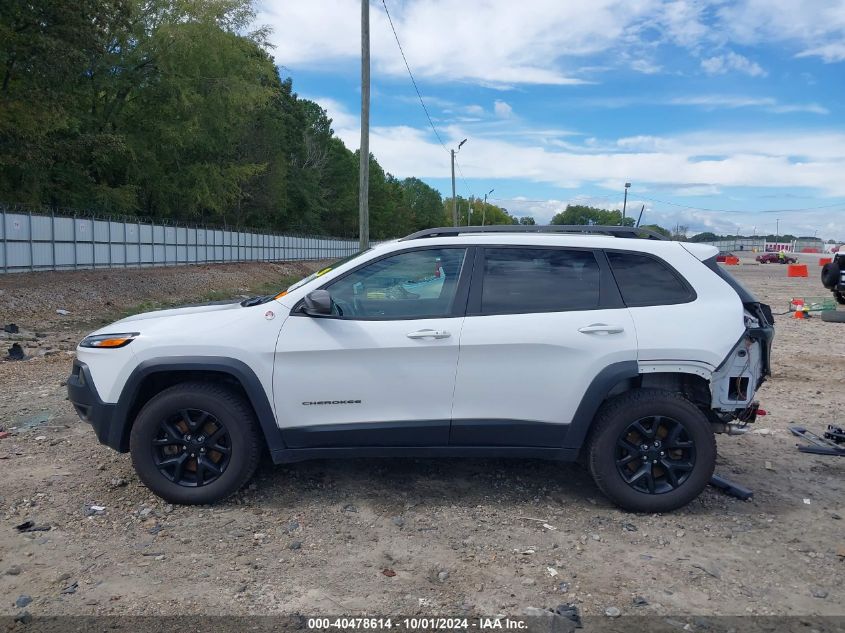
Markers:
point(429, 334)
point(601, 328)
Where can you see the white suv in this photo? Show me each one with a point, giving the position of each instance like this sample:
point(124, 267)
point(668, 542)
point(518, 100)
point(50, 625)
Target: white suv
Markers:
point(544, 342)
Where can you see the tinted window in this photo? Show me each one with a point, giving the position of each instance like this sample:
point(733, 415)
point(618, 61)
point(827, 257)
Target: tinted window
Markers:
point(538, 280)
point(416, 284)
point(646, 281)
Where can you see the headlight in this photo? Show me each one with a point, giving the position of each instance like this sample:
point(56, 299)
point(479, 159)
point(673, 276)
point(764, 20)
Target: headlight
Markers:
point(109, 340)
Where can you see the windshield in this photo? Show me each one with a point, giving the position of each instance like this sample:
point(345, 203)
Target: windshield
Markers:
point(321, 272)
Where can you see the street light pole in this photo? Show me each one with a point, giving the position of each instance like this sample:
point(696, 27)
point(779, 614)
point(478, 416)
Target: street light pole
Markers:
point(454, 197)
point(364, 166)
point(625, 203)
point(484, 208)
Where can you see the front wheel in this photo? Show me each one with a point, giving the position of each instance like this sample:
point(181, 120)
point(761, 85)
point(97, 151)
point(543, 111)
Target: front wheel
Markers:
point(651, 451)
point(195, 443)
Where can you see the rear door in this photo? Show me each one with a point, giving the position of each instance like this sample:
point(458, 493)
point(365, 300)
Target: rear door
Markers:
point(541, 324)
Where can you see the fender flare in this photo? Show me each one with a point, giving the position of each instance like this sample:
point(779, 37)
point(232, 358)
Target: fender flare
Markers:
point(594, 397)
point(240, 371)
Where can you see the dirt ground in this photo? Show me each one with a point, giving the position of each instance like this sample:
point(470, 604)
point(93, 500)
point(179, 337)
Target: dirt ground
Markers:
point(462, 536)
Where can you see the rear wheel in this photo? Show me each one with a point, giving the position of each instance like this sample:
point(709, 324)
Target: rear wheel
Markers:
point(830, 275)
point(195, 443)
point(651, 451)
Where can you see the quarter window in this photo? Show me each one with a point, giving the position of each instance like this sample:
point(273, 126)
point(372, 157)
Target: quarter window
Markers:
point(646, 281)
point(518, 280)
point(417, 284)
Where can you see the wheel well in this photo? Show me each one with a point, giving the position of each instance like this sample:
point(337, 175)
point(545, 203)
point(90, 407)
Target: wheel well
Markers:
point(154, 383)
point(693, 387)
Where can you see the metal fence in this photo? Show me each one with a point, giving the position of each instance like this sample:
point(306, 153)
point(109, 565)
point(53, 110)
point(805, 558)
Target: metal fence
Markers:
point(31, 241)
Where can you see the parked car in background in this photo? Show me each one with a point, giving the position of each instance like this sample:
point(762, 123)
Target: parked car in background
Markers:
point(774, 258)
point(722, 257)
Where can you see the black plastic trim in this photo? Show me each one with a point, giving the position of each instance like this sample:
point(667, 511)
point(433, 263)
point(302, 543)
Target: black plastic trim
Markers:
point(373, 434)
point(513, 433)
point(593, 398)
point(287, 456)
point(118, 435)
point(82, 394)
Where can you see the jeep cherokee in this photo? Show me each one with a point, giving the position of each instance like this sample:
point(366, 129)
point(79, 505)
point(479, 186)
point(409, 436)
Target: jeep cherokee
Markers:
point(561, 343)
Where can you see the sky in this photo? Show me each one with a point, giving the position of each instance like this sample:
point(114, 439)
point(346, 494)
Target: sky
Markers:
point(724, 115)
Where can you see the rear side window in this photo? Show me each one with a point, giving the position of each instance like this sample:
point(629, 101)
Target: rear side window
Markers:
point(647, 281)
point(519, 280)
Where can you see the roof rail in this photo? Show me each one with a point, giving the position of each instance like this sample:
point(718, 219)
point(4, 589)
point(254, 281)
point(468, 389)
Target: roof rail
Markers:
point(613, 231)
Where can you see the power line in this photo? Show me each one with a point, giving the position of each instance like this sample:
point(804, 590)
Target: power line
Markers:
point(463, 180)
point(411, 75)
point(587, 197)
point(684, 206)
point(581, 198)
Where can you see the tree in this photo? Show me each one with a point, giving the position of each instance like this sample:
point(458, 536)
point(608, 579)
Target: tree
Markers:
point(527, 220)
point(704, 237)
point(581, 214)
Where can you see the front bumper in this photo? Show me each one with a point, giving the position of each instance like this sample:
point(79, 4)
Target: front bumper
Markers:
point(90, 408)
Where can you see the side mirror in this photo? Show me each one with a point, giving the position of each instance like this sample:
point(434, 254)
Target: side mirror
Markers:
point(317, 303)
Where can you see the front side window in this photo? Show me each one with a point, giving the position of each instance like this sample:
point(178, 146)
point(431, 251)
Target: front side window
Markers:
point(646, 281)
point(417, 284)
point(519, 280)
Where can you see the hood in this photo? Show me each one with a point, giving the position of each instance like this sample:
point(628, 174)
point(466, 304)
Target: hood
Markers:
point(177, 312)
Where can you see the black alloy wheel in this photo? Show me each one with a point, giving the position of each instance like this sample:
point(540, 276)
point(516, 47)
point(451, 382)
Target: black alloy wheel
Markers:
point(192, 448)
point(195, 442)
point(655, 454)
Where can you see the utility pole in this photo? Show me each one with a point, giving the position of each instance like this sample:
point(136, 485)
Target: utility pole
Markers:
point(469, 210)
point(625, 203)
point(364, 169)
point(454, 197)
point(777, 230)
point(484, 208)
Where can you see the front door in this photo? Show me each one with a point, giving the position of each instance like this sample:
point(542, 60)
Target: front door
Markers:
point(381, 370)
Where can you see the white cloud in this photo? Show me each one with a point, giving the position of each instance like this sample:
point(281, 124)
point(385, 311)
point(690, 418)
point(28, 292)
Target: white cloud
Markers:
point(739, 101)
point(501, 43)
point(833, 52)
point(816, 27)
point(730, 62)
point(495, 42)
point(502, 109)
point(705, 163)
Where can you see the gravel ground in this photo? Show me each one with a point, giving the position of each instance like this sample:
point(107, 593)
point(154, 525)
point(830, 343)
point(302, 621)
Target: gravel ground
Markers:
point(403, 536)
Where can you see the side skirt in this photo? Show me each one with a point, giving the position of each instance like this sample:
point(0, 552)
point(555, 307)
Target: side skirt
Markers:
point(290, 455)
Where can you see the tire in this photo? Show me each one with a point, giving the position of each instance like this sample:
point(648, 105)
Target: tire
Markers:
point(830, 275)
point(840, 297)
point(834, 316)
point(658, 411)
point(181, 427)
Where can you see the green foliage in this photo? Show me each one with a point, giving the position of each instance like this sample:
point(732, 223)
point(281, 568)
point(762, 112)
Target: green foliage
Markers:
point(174, 108)
point(658, 229)
point(479, 213)
point(581, 214)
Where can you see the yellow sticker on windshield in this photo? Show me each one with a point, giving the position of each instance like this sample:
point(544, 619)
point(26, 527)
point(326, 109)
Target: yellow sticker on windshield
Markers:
point(323, 272)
